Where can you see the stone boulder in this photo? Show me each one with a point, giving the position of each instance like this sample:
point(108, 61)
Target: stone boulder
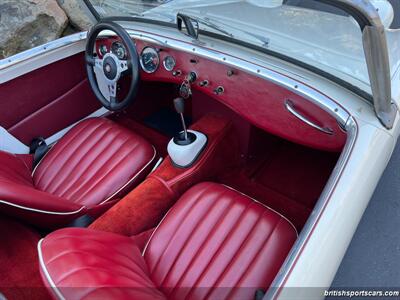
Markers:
point(25, 24)
point(79, 15)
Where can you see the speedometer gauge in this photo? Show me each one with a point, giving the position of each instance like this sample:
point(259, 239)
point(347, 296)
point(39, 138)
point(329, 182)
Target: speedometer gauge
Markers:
point(149, 59)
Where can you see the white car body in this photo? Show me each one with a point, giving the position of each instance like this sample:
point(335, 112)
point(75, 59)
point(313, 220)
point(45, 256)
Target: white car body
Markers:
point(317, 254)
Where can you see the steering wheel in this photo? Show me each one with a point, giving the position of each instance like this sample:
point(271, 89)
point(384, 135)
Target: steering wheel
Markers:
point(104, 73)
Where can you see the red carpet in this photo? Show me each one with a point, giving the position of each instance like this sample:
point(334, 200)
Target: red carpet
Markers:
point(20, 277)
point(288, 178)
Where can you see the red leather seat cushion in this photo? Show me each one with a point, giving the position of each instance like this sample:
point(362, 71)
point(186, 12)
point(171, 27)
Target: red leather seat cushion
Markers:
point(88, 264)
point(217, 243)
point(92, 162)
point(214, 243)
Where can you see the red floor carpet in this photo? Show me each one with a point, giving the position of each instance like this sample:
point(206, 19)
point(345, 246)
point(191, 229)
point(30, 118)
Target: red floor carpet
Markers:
point(20, 277)
point(288, 179)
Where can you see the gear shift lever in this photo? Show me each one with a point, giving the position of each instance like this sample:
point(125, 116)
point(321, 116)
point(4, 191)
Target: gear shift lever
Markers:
point(187, 145)
point(179, 104)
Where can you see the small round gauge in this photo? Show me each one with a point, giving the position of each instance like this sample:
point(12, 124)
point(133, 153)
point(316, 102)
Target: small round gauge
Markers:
point(103, 49)
point(119, 50)
point(149, 60)
point(169, 63)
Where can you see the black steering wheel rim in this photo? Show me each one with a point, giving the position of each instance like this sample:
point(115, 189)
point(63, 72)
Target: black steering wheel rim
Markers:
point(132, 64)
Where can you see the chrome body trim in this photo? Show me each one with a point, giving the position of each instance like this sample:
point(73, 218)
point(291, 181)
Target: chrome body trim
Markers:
point(290, 108)
point(352, 129)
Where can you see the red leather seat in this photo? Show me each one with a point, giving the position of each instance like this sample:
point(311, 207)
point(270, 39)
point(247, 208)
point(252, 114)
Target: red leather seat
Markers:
point(93, 164)
point(215, 243)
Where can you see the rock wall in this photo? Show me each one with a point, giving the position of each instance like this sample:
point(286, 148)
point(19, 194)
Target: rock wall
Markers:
point(25, 24)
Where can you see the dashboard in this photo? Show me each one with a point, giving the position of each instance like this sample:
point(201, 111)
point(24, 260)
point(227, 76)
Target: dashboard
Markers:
point(149, 57)
point(261, 102)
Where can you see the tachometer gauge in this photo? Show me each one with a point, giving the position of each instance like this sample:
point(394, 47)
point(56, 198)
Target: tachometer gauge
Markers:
point(149, 60)
point(119, 50)
point(169, 63)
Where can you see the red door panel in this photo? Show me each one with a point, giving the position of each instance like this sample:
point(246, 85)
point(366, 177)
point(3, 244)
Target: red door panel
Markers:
point(45, 101)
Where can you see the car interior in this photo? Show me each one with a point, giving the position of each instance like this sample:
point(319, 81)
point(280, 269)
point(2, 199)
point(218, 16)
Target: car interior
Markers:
point(193, 184)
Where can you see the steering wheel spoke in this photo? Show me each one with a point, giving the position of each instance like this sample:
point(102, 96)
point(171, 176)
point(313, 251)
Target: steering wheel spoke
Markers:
point(98, 63)
point(123, 65)
point(112, 90)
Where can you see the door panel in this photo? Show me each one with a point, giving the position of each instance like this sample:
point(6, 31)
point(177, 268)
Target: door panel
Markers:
point(45, 101)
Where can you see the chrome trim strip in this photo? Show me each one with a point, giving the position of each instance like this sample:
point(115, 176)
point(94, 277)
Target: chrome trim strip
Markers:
point(46, 272)
point(290, 108)
point(42, 211)
point(278, 282)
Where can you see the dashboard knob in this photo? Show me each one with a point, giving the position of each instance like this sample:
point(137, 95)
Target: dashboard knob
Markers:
point(192, 77)
point(177, 73)
point(219, 90)
point(204, 83)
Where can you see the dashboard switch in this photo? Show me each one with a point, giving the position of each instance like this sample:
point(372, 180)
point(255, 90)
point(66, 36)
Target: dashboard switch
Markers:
point(177, 73)
point(204, 83)
point(219, 90)
point(192, 77)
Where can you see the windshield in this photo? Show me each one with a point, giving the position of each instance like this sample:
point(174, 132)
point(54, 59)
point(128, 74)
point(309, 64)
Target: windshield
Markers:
point(306, 31)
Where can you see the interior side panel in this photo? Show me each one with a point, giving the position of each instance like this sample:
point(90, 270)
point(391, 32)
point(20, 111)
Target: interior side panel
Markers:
point(42, 102)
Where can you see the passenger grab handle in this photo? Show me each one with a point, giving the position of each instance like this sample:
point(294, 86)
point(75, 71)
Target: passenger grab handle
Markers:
point(290, 107)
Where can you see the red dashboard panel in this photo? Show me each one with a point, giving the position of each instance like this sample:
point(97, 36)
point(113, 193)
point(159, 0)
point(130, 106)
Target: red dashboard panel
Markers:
point(259, 101)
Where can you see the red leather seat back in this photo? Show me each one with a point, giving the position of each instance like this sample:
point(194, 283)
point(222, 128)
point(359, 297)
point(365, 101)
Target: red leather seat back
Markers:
point(92, 162)
point(217, 243)
point(14, 169)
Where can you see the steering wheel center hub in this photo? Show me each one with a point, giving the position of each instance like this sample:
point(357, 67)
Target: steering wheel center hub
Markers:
point(110, 68)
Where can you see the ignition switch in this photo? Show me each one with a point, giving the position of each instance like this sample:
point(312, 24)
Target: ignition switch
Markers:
point(192, 77)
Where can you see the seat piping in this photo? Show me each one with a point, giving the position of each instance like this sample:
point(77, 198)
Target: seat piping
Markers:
point(46, 272)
